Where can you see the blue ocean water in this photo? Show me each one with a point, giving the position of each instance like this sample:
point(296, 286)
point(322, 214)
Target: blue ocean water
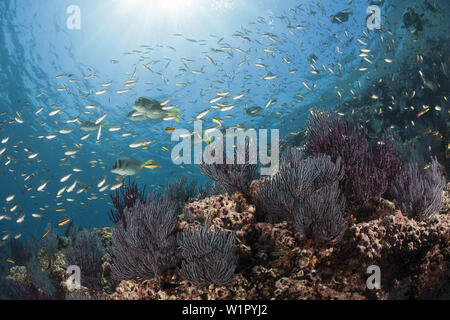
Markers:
point(45, 63)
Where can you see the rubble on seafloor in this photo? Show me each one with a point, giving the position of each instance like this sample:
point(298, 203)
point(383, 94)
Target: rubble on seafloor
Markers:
point(277, 263)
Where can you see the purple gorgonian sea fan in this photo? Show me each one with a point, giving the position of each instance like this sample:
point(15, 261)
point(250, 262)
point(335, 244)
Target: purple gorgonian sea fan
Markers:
point(237, 176)
point(278, 196)
point(208, 255)
point(145, 246)
point(320, 216)
point(87, 252)
point(418, 191)
point(125, 197)
point(305, 190)
point(181, 191)
point(369, 167)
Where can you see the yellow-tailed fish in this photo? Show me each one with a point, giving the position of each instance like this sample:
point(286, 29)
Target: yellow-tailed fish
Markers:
point(421, 113)
point(64, 222)
point(45, 233)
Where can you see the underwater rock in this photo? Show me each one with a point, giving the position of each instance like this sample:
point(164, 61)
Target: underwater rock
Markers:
point(277, 263)
point(108, 285)
point(58, 266)
point(226, 212)
point(105, 234)
point(73, 291)
point(55, 264)
point(18, 274)
point(407, 251)
point(44, 258)
point(446, 200)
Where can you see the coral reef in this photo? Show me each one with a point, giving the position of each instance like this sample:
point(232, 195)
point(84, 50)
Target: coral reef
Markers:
point(43, 275)
point(32, 282)
point(289, 236)
point(414, 255)
point(276, 262)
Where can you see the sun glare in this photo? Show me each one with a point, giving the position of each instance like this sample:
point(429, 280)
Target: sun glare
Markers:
point(169, 7)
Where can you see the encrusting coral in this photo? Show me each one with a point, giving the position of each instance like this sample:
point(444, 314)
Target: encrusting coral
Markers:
point(310, 231)
point(276, 262)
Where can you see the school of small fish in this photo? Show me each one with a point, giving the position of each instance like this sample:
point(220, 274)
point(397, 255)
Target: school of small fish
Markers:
point(220, 87)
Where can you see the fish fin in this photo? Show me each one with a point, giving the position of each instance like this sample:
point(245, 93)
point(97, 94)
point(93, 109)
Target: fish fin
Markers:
point(148, 162)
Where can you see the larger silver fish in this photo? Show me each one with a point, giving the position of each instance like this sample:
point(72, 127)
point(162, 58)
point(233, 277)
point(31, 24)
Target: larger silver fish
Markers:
point(128, 166)
point(152, 109)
